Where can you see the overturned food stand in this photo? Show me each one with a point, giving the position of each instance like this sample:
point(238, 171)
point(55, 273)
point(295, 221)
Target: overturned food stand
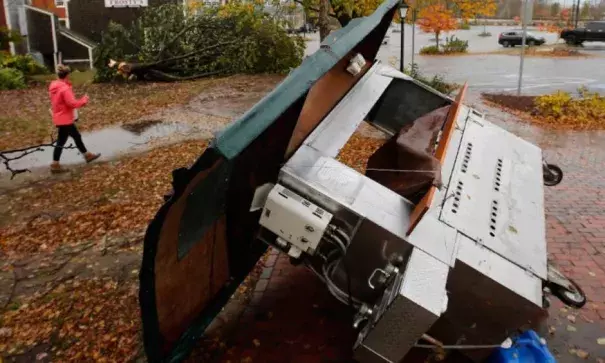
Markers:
point(442, 239)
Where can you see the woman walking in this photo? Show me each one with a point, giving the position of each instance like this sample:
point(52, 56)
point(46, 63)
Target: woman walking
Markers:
point(64, 110)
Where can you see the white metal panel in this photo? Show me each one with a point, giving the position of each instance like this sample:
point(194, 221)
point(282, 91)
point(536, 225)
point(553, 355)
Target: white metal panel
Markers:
point(424, 282)
point(496, 195)
point(499, 269)
point(338, 126)
point(373, 201)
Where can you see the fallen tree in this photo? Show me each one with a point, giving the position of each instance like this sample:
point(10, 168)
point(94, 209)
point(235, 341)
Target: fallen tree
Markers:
point(169, 44)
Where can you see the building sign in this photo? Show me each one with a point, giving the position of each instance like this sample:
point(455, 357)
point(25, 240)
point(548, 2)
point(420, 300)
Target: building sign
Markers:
point(125, 3)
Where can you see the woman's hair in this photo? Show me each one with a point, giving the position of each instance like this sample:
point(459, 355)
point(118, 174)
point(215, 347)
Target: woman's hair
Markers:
point(63, 71)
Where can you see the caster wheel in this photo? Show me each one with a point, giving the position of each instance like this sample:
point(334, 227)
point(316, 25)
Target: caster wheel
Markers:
point(564, 288)
point(574, 297)
point(554, 176)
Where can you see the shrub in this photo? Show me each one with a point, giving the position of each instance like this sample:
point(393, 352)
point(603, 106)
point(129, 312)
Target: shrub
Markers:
point(26, 64)
point(464, 26)
point(11, 78)
point(561, 108)
point(437, 82)
point(553, 105)
point(485, 34)
point(452, 46)
point(455, 45)
point(430, 49)
point(7, 36)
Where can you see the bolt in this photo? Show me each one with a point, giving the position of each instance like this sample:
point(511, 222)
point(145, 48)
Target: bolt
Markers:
point(365, 310)
point(309, 228)
point(397, 260)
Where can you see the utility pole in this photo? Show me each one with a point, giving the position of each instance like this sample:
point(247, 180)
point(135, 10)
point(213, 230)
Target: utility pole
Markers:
point(524, 14)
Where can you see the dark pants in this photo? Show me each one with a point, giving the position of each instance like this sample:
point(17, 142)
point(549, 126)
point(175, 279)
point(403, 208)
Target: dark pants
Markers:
point(64, 133)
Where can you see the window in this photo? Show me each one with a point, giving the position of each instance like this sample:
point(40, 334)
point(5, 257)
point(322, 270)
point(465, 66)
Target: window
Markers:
point(60, 3)
point(595, 26)
point(63, 22)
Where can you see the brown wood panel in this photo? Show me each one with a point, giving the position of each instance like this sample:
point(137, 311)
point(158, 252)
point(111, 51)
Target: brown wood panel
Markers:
point(183, 288)
point(322, 98)
point(448, 128)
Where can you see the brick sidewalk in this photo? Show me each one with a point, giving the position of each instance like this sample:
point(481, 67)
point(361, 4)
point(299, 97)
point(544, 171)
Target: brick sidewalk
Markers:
point(292, 317)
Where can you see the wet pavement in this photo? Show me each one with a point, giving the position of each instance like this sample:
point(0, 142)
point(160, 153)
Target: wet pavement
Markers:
point(112, 142)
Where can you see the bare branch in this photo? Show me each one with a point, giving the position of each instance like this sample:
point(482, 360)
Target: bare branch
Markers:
point(8, 156)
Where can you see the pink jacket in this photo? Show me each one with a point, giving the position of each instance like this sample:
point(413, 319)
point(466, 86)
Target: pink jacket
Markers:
point(63, 102)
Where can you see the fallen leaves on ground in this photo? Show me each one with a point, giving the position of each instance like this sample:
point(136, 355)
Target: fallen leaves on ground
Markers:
point(357, 150)
point(582, 354)
point(105, 199)
point(88, 320)
point(26, 120)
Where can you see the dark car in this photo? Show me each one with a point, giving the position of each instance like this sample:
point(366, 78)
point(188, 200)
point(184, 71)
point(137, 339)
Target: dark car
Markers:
point(594, 31)
point(515, 37)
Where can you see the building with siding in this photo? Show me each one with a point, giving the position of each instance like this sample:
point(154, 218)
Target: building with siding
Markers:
point(55, 43)
point(93, 16)
point(57, 7)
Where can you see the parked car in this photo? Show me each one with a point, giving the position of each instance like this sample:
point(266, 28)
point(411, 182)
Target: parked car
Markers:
point(594, 31)
point(515, 37)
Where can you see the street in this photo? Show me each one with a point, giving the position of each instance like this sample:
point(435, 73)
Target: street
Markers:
point(495, 72)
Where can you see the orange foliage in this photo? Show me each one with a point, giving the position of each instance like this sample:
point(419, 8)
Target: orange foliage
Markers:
point(470, 9)
point(562, 24)
point(436, 19)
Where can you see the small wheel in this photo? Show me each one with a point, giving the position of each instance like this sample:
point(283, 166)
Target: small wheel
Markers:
point(571, 40)
point(531, 43)
point(574, 298)
point(554, 176)
point(505, 44)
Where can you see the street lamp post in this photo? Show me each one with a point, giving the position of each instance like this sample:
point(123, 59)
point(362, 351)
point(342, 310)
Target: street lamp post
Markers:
point(403, 10)
point(413, 34)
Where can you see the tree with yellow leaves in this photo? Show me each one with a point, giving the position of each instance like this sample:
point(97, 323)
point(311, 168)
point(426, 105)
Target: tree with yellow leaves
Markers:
point(437, 19)
point(471, 9)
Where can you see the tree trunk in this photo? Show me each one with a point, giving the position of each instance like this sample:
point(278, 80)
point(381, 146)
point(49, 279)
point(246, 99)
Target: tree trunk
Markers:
point(323, 19)
point(437, 39)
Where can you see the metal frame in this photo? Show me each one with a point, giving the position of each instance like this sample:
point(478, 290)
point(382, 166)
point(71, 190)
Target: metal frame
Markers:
point(442, 252)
